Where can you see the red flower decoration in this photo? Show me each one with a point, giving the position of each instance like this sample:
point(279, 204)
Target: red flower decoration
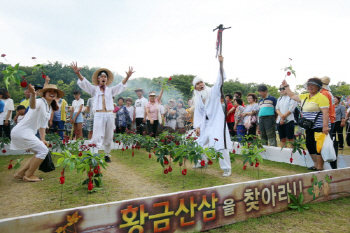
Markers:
point(170, 78)
point(126, 147)
point(123, 149)
point(4, 151)
point(180, 164)
point(50, 145)
point(330, 177)
point(89, 145)
point(210, 162)
point(149, 156)
point(9, 167)
point(43, 76)
point(166, 162)
point(234, 151)
point(252, 164)
point(33, 57)
point(90, 186)
point(3, 55)
point(237, 146)
point(304, 152)
point(96, 171)
point(62, 172)
point(291, 160)
point(244, 167)
point(257, 164)
point(312, 180)
point(24, 84)
point(170, 169)
point(90, 174)
point(184, 172)
point(202, 163)
point(216, 139)
point(62, 179)
point(80, 154)
point(166, 171)
point(177, 143)
point(289, 73)
point(133, 154)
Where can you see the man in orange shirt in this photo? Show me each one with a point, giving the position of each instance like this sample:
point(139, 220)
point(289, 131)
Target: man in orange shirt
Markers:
point(326, 91)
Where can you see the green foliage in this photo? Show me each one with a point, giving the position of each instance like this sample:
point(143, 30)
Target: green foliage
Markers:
point(297, 202)
point(13, 74)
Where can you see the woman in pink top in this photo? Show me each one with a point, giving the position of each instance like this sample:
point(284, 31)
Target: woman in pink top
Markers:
point(152, 112)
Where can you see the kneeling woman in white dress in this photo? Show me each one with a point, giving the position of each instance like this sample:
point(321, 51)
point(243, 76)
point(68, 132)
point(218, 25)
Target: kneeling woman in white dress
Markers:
point(23, 135)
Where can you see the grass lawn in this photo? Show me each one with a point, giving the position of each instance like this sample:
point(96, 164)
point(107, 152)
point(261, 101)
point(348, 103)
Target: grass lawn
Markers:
point(128, 177)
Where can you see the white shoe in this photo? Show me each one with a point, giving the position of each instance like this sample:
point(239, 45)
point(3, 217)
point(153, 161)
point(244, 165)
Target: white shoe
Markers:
point(227, 172)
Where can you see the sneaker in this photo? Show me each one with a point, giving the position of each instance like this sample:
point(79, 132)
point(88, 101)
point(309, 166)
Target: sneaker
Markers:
point(227, 172)
point(107, 159)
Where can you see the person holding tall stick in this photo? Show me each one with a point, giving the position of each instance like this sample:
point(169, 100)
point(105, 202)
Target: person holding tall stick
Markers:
point(209, 121)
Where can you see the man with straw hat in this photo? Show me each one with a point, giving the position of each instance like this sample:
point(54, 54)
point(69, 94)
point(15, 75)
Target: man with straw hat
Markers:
point(102, 104)
point(326, 91)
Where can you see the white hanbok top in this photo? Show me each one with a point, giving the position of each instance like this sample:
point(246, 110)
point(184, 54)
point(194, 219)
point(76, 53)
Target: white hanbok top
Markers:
point(210, 118)
point(95, 92)
point(23, 134)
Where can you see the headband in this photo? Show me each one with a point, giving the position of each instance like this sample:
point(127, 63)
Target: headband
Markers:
point(102, 72)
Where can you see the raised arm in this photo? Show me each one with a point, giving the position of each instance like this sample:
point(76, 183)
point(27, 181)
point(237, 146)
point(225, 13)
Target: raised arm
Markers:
point(128, 75)
point(32, 101)
point(160, 95)
point(76, 70)
point(289, 91)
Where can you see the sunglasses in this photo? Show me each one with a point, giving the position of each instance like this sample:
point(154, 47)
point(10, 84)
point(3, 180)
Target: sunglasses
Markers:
point(282, 89)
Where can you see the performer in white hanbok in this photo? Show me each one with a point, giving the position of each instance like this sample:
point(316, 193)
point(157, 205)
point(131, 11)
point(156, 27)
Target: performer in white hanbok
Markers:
point(37, 118)
point(102, 105)
point(209, 120)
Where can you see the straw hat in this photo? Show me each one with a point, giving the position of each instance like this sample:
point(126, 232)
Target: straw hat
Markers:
point(60, 93)
point(109, 76)
point(138, 89)
point(172, 100)
point(325, 82)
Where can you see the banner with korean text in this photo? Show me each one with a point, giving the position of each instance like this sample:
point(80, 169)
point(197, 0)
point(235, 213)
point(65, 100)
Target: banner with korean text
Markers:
point(194, 210)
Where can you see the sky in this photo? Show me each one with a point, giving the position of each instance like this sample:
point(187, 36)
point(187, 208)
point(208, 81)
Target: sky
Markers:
point(163, 38)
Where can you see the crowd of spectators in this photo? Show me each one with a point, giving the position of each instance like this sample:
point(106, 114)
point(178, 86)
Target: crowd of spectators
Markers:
point(267, 116)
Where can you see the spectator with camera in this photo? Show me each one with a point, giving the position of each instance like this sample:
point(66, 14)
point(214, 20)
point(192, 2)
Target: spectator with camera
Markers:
point(315, 116)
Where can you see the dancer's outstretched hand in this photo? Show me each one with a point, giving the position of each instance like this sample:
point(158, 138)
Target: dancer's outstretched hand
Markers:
point(130, 72)
point(75, 67)
point(31, 89)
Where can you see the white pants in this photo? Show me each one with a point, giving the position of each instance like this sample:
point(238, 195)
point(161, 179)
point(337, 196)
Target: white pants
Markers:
point(103, 131)
point(224, 163)
point(40, 151)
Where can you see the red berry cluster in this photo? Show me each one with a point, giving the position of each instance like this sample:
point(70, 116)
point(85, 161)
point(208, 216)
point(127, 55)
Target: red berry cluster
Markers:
point(62, 178)
point(10, 165)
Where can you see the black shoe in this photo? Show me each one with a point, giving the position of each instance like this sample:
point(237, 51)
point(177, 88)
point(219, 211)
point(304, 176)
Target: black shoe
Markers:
point(311, 168)
point(107, 159)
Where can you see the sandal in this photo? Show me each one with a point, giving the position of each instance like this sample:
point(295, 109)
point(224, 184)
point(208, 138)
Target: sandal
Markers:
point(17, 177)
point(32, 180)
point(311, 168)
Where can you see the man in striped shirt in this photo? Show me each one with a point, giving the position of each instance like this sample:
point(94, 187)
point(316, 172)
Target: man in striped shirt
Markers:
point(267, 119)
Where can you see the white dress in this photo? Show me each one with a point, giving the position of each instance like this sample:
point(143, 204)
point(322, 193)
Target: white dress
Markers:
point(23, 134)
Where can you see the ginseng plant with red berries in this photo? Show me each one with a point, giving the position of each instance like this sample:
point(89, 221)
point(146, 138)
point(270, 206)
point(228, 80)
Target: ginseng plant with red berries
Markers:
point(252, 155)
point(296, 145)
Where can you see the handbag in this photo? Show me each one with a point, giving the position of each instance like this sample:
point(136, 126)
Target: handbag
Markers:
point(328, 152)
point(248, 123)
point(47, 165)
point(306, 123)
